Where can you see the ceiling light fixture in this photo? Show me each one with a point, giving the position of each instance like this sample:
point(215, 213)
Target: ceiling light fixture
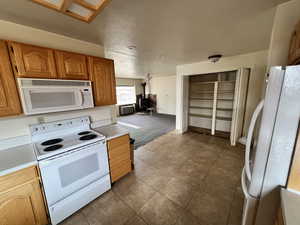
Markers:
point(215, 58)
point(132, 47)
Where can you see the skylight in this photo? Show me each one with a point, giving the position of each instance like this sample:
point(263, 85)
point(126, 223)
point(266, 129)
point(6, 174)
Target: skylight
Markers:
point(84, 10)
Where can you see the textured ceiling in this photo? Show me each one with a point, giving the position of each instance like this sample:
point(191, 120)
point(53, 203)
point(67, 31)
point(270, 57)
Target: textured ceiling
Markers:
point(165, 32)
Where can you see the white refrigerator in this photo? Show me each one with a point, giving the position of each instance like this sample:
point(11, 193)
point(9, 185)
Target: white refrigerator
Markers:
point(268, 157)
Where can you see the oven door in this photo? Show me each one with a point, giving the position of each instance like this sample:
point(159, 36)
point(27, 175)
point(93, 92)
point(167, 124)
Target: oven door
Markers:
point(45, 100)
point(72, 171)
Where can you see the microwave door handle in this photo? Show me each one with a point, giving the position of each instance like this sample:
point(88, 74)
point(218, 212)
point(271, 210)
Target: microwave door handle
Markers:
point(249, 138)
point(81, 97)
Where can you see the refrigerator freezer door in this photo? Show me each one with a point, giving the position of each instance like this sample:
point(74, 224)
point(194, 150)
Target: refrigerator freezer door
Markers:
point(250, 203)
point(282, 146)
point(266, 130)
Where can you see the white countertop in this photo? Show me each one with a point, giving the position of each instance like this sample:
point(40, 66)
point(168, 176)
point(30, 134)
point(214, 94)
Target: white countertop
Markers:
point(112, 131)
point(16, 158)
point(290, 203)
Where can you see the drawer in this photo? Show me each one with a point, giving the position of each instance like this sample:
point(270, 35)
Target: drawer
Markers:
point(113, 143)
point(119, 151)
point(122, 170)
point(18, 178)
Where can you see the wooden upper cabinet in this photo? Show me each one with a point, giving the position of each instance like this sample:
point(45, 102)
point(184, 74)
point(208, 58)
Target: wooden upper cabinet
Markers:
point(9, 99)
point(102, 74)
point(32, 61)
point(71, 66)
point(294, 52)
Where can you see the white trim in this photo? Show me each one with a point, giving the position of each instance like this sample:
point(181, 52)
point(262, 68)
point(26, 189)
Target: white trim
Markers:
point(214, 113)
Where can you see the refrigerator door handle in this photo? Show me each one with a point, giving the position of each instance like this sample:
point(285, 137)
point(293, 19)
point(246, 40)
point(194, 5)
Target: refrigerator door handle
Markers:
point(244, 185)
point(249, 138)
point(250, 203)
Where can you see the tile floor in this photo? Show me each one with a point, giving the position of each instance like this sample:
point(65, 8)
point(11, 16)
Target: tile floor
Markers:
point(189, 179)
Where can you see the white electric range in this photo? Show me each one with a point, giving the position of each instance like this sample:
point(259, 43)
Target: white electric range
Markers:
point(73, 162)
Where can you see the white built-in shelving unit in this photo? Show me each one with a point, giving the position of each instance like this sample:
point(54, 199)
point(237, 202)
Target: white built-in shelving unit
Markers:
point(216, 100)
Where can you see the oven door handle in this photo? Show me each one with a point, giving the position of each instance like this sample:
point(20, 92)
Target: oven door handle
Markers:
point(46, 162)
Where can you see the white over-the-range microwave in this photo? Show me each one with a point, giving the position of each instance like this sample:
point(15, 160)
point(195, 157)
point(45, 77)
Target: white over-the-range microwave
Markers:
point(45, 95)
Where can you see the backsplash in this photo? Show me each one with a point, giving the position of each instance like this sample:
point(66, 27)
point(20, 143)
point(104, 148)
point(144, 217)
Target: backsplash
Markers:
point(19, 126)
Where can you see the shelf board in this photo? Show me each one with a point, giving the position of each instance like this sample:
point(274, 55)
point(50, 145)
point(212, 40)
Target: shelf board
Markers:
point(223, 118)
point(199, 107)
point(227, 81)
point(227, 100)
point(218, 109)
point(203, 99)
point(210, 117)
point(210, 99)
point(200, 115)
point(203, 82)
point(224, 109)
point(225, 92)
point(202, 92)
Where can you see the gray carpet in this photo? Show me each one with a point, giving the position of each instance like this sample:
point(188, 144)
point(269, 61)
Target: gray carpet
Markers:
point(146, 127)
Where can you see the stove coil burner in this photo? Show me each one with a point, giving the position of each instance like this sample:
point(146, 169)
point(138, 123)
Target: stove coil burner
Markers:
point(52, 141)
point(53, 148)
point(84, 133)
point(88, 137)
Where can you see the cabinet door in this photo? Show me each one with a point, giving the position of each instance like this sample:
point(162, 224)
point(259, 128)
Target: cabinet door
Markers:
point(294, 52)
point(102, 74)
point(9, 99)
point(32, 61)
point(71, 65)
point(23, 205)
point(119, 157)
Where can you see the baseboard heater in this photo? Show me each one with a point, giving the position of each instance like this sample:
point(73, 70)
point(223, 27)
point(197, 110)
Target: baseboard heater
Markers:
point(126, 110)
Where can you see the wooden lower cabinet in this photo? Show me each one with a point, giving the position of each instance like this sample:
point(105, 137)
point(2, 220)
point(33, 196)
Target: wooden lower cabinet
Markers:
point(22, 203)
point(119, 157)
point(294, 176)
point(279, 218)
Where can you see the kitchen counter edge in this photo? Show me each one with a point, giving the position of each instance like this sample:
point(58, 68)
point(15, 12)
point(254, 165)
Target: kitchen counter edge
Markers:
point(17, 158)
point(112, 131)
point(290, 203)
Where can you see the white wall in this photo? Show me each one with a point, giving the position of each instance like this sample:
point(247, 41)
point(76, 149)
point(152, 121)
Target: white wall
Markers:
point(256, 61)
point(18, 126)
point(165, 89)
point(21, 33)
point(286, 17)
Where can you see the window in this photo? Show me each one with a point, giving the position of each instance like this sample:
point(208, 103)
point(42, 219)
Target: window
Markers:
point(126, 95)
